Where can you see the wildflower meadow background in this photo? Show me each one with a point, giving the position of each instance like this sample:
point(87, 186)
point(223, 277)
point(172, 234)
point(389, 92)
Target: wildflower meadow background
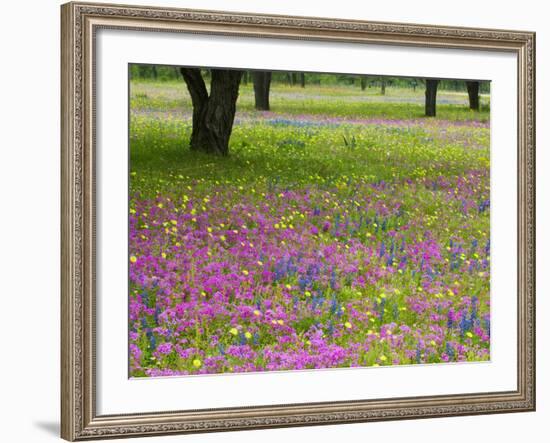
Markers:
point(344, 229)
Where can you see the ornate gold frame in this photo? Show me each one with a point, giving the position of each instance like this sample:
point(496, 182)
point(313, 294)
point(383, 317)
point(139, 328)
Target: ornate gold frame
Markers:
point(79, 21)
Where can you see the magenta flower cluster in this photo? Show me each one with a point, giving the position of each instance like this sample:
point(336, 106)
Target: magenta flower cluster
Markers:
point(340, 273)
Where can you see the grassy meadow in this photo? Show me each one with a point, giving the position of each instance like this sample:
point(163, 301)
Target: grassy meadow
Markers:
point(344, 229)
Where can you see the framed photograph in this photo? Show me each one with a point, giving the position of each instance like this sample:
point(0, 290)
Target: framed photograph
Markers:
point(277, 221)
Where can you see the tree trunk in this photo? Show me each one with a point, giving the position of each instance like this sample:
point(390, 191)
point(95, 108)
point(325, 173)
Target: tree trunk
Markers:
point(363, 83)
point(294, 78)
point(431, 93)
point(262, 83)
point(213, 114)
point(383, 87)
point(302, 80)
point(245, 78)
point(473, 95)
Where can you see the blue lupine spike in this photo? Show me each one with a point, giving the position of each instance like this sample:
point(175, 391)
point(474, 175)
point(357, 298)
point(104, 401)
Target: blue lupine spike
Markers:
point(449, 351)
point(473, 314)
point(242, 338)
point(221, 348)
point(152, 342)
point(145, 298)
point(156, 316)
point(382, 251)
point(487, 322)
point(465, 324)
point(333, 280)
point(333, 305)
point(256, 338)
point(418, 354)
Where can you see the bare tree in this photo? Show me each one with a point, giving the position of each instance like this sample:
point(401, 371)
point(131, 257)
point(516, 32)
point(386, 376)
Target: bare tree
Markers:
point(431, 93)
point(262, 84)
point(214, 113)
point(473, 95)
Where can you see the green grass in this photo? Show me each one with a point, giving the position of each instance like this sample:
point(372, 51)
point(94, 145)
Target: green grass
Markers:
point(258, 150)
point(336, 101)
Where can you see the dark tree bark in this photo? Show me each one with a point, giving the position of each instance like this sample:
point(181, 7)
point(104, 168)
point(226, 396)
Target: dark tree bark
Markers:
point(213, 114)
point(262, 83)
point(302, 80)
point(363, 83)
point(294, 78)
point(245, 78)
point(473, 95)
point(383, 87)
point(431, 93)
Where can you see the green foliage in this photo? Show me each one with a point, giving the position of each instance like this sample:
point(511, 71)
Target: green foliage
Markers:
point(168, 73)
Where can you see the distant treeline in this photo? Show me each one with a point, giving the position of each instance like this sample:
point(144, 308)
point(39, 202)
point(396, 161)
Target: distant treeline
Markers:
point(170, 73)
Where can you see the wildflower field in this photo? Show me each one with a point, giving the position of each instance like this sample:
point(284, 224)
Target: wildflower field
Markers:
point(345, 229)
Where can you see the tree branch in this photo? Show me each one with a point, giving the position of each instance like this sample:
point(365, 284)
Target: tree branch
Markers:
point(195, 85)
